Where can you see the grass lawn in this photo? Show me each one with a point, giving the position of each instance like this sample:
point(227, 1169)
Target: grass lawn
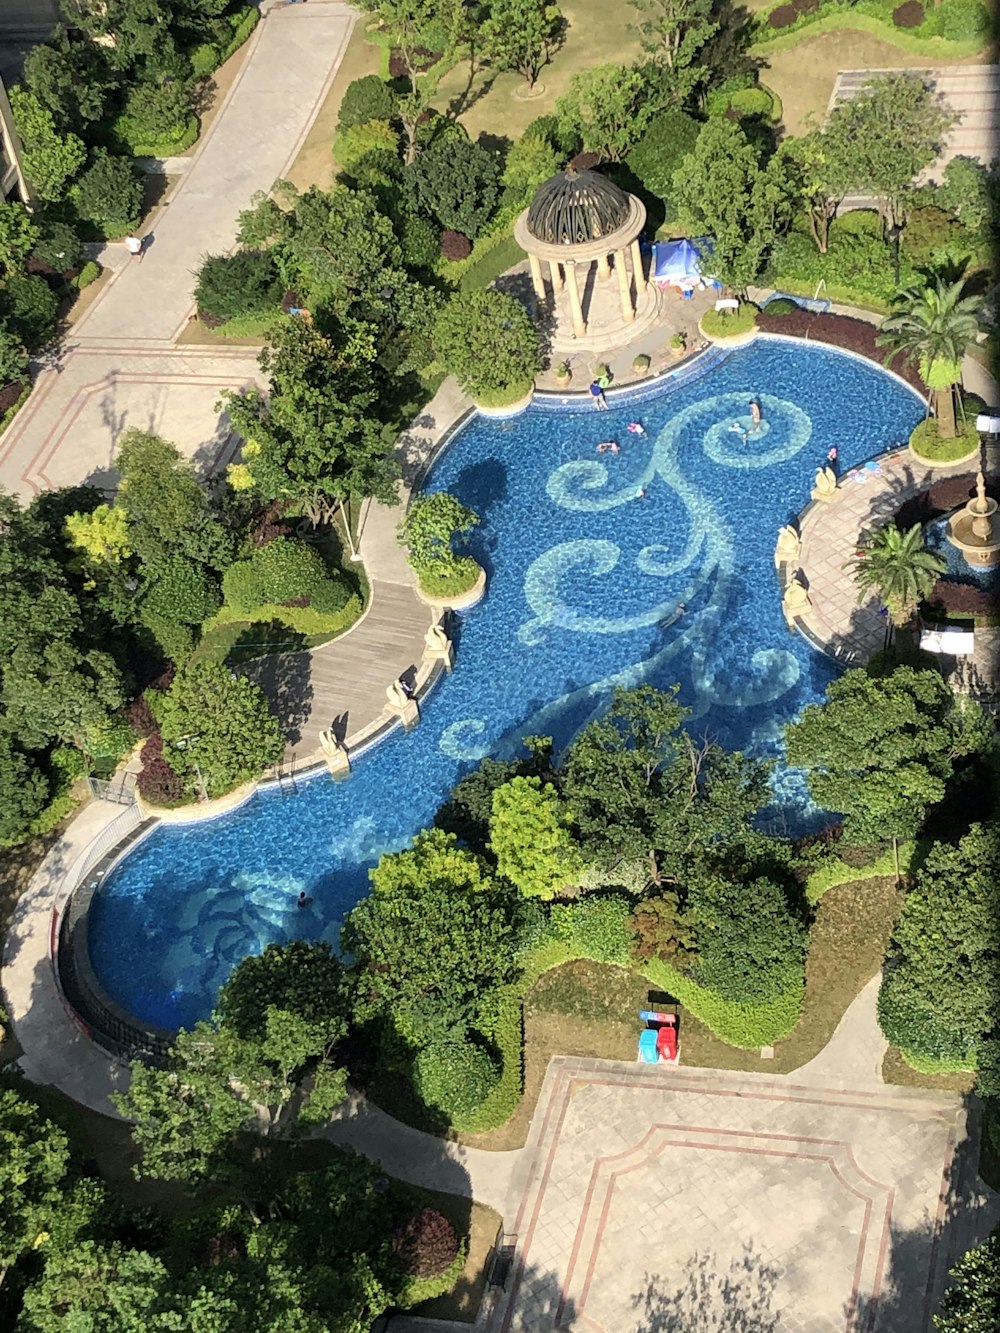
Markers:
point(596, 34)
point(590, 1009)
point(825, 54)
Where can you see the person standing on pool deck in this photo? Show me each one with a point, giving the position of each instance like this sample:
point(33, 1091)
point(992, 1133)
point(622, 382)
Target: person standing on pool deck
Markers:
point(597, 393)
point(755, 413)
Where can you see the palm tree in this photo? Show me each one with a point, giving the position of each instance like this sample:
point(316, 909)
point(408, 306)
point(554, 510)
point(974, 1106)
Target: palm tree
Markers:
point(932, 326)
point(898, 568)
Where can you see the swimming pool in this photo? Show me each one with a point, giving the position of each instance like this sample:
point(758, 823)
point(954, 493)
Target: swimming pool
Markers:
point(589, 558)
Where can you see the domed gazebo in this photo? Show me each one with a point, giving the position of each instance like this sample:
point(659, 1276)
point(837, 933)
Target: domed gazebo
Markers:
point(579, 218)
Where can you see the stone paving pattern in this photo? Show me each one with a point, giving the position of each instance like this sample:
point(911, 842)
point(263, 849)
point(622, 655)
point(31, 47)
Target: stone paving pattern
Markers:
point(692, 1199)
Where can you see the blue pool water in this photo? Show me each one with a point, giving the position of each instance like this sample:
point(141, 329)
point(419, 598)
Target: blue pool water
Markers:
point(585, 578)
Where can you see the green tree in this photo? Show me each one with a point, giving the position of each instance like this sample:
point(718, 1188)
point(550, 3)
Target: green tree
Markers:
point(661, 928)
point(24, 792)
point(723, 188)
point(247, 281)
point(939, 991)
point(750, 946)
point(432, 941)
point(932, 326)
point(301, 978)
point(608, 108)
point(518, 35)
point(18, 234)
point(314, 438)
point(218, 724)
point(969, 190)
point(367, 98)
point(531, 840)
point(429, 530)
point(530, 161)
point(640, 789)
point(899, 568)
point(72, 80)
point(50, 159)
point(458, 183)
point(880, 749)
point(101, 536)
point(822, 171)
point(179, 590)
point(34, 1160)
point(673, 34)
point(971, 1303)
point(13, 357)
point(895, 127)
point(487, 341)
point(56, 691)
point(167, 509)
point(100, 1288)
point(404, 23)
point(109, 194)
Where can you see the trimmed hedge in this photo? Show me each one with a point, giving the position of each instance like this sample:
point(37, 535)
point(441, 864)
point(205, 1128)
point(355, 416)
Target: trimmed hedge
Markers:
point(208, 56)
point(169, 146)
point(837, 17)
point(302, 619)
point(420, 1289)
point(746, 1025)
point(461, 579)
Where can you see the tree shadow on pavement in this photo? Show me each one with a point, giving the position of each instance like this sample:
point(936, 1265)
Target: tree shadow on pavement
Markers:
point(738, 1298)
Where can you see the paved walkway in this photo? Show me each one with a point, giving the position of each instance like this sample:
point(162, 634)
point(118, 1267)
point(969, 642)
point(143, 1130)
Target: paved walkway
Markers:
point(119, 366)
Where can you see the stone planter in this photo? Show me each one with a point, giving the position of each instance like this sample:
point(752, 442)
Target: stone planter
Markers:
point(508, 409)
point(462, 601)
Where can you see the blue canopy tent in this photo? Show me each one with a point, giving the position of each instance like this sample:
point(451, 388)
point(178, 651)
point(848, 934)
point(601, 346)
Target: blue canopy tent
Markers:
point(677, 263)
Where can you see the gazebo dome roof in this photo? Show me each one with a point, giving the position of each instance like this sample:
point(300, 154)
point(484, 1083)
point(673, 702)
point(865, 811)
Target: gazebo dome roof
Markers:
point(576, 207)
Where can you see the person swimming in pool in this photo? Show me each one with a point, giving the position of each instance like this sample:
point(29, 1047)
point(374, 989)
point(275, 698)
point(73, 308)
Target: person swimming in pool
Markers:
point(741, 431)
point(636, 428)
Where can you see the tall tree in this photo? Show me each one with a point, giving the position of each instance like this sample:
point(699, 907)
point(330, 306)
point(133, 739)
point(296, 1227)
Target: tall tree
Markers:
point(742, 204)
point(673, 33)
point(932, 326)
point(315, 439)
point(822, 171)
point(939, 992)
point(217, 728)
point(531, 840)
point(34, 1159)
point(404, 23)
point(102, 1288)
point(895, 127)
point(56, 692)
point(972, 1302)
point(750, 945)
point(167, 509)
point(899, 568)
point(608, 108)
point(433, 940)
point(519, 35)
point(880, 749)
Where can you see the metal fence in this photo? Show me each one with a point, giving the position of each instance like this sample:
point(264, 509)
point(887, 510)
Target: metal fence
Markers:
point(119, 790)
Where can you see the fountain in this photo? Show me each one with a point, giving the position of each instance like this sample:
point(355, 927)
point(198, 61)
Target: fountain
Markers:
point(971, 528)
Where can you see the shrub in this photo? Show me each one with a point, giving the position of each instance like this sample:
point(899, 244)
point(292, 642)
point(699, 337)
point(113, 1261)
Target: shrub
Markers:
point(454, 245)
point(457, 183)
point(419, 241)
point(58, 248)
point(368, 98)
point(750, 945)
point(596, 925)
point(140, 717)
point(245, 282)
point(158, 783)
point(781, 305)
point(90, 272)
point(922, 1030)
point(283, 572)
point(173, 638)
point(356, 142)
point(13, 361)
point(660, 928)
point(29, 307)
point(908, 15)
point(670, 136)
point(782, 17)
point(454, 1078)
point(928, 228)
point(180, 590)
point(109, 194)
point(752, 103)
point(154, 114)
point(486, 339)
point(425, 1244)
point(717, 324)
point(963, 20)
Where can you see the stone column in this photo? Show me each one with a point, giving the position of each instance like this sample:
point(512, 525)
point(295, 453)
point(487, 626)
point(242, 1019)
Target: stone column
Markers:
point(624, 286)
point(640, 276)
point(558, 281)
point(603, 268)
point(537, 281)
point(579, 323)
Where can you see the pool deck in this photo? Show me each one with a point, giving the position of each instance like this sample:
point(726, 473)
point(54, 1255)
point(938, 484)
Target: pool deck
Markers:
point(829, 530)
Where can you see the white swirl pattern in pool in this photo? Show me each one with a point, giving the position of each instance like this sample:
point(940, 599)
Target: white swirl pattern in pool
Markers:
point(590, 556)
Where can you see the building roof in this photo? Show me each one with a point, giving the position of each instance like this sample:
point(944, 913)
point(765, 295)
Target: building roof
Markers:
point(576, 207)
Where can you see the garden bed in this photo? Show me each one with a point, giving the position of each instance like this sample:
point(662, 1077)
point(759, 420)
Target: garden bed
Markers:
point(853, 335)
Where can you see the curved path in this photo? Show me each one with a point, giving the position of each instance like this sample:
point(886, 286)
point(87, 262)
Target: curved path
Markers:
point(119, 367)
